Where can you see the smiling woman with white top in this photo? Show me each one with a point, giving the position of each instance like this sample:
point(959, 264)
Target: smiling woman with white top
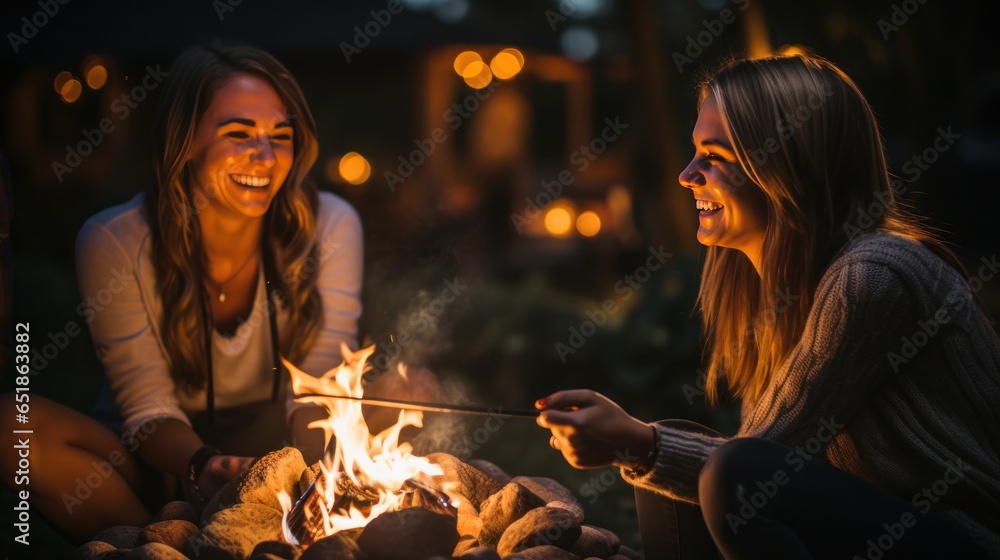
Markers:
point(231, 261)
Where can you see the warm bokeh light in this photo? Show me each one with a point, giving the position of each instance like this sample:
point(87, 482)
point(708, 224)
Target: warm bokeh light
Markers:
point(516, 54)
point(558, 221)
point(97, 76)
point(588, 224)
point(60, 81)
point(354, 168)
point(474, 69)
point(507, 63)
point(468, 64)
point(94, 72)
point(480, 80)
point(71, 90)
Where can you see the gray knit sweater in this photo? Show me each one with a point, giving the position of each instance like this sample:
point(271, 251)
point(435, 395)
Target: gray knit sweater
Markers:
point(897, 360)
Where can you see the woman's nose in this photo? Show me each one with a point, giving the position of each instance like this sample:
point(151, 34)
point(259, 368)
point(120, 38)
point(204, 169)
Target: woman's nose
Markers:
point(689, 176)
point(262, 153)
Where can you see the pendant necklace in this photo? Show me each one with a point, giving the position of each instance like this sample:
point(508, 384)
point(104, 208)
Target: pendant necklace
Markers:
point(222, 285)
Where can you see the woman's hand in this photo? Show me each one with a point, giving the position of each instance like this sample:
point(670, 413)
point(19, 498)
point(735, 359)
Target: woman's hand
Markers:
point(592, 431)
point(219, 470)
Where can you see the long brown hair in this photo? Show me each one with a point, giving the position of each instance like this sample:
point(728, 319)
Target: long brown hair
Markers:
point(806, 137)
point(289, 224)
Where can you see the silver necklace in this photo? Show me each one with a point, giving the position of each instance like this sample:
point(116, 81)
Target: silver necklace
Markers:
point(222, 285)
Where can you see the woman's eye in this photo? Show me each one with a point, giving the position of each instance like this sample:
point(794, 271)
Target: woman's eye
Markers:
point(239, 135)
point(282, 137)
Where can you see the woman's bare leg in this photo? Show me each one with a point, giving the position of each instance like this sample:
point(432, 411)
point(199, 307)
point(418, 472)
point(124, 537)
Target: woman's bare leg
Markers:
point(82, 479)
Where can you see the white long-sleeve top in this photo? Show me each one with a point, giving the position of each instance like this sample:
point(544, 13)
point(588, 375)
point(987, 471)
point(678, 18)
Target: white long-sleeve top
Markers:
point(123, 310)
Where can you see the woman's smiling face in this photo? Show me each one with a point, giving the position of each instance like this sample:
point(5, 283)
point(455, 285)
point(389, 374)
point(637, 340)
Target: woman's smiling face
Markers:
point(243, 147)
point(732, 210)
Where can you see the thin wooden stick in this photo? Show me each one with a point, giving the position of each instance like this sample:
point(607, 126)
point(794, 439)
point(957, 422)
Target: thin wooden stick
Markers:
point(434, 407)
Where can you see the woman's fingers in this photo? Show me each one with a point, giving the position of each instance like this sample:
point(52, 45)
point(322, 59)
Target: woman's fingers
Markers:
point(229, 466)
point(553, 418)
point(574, 398)
point(566, 408)
point(576, 453)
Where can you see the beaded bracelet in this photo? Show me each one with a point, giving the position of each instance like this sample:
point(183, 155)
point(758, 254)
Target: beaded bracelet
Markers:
point(641, 469)
point(196, 464)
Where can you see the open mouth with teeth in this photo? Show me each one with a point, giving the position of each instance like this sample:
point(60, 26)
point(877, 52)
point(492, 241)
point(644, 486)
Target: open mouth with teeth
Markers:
point(250, 181)
point(707, 207)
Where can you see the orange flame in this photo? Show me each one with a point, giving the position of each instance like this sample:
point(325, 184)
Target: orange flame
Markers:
point(377, 462)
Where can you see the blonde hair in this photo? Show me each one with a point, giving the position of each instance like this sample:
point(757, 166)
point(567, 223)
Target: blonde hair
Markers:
point(806, 137)
point(289, 224)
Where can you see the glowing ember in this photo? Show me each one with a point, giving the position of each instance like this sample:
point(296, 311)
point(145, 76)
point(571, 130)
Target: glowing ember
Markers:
point(377, 467)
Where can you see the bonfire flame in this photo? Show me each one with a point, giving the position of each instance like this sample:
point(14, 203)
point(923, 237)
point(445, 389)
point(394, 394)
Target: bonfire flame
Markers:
point(377, 464)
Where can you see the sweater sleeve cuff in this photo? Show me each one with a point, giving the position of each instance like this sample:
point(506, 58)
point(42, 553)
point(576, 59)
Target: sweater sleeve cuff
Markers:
point(681, 456)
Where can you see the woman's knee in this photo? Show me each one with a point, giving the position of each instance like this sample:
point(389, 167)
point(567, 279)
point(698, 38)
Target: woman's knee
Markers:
point(734, 463)
point(725, 464)
point(62, 425)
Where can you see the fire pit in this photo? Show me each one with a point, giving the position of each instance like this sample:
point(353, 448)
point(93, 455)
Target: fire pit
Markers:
point(496, 517)
point(369, 499)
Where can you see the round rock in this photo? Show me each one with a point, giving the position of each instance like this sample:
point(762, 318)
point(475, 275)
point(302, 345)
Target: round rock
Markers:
point(281, 549)
point(155, 551)
point(495, 472)
point(472, 483)
point(177, 510)
point(480, 553)
point(119, 536)
point(409, 534)
point(236, 530)
point(337, 545)
point(172, 533)
point(594, 542)
point(93, 550)
point(272, 473)
point(502, 509)
point(538, 527)
point(546, 552)
point(553, 493)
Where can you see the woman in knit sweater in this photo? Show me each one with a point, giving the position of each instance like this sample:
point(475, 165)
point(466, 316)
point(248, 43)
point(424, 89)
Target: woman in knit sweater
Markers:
point(884, 368)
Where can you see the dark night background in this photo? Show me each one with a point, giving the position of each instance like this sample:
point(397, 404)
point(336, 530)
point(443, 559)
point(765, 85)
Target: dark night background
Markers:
point(451, 219)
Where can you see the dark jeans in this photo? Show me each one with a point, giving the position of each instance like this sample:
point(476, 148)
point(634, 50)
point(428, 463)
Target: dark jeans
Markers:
point(672, 530)
point(812, 510)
